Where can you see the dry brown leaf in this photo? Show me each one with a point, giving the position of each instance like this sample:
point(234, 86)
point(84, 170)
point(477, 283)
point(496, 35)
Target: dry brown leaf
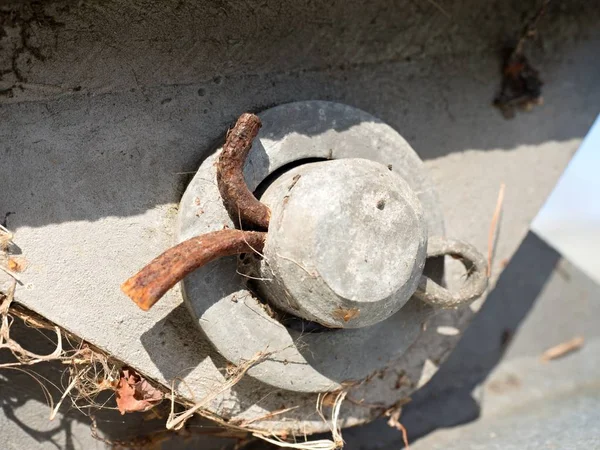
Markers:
point(564, 348)
point(134, 393)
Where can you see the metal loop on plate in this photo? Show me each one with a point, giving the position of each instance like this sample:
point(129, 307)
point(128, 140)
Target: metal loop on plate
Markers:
point(432, 293)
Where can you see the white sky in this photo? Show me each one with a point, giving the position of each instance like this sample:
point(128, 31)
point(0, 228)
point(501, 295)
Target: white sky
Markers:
point(570, 218)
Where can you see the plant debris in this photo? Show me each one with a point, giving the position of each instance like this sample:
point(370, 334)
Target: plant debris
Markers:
point(16, 264)
point(235, 374)
point(91, 371)
point(394, 422)
point(134, 393)
point(346, 314)
point(560, 350)
point(493, 234)
point(521, 84)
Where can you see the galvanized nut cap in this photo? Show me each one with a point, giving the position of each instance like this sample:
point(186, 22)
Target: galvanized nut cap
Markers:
point(346, 244)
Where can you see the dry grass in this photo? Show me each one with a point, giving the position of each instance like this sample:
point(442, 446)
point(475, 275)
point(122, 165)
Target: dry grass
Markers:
point(320, 444)
point(89, 371)
point(394, 422)
point(493, 232)
point(563, 349)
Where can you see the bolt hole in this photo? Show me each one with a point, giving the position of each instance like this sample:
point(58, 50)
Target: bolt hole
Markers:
point(262, 187)
point(381, 204)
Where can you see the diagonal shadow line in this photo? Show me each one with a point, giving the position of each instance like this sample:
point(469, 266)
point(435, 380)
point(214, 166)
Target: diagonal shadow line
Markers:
point(447, 399)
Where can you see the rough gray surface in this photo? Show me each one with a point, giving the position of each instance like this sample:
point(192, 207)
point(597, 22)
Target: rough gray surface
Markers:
point(61, 48)
point(494, 391)
point(523, 402)
point(566, 420)
point(103, 116)
point(346, 245)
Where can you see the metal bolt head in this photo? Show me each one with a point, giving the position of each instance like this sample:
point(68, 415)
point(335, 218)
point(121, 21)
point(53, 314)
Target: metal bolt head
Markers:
point(346, 243)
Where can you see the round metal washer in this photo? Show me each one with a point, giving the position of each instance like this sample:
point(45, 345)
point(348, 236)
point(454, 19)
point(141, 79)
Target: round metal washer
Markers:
point(233, 320)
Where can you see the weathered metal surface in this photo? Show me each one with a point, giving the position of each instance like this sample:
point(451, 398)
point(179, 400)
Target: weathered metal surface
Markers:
point(476, 280)
point(346, 245)
point(237, 323)
point(152, 282)
point(243, 208)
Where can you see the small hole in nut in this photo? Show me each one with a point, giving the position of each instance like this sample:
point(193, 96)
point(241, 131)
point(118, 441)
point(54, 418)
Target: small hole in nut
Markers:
point(381, 204)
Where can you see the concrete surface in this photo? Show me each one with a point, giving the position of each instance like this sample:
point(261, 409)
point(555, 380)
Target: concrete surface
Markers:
point(567, 422)
point(56, 49)
point(494, 392)
point(107, 105)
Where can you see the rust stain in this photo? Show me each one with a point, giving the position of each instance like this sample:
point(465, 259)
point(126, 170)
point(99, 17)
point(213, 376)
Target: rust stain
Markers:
point(346, 314)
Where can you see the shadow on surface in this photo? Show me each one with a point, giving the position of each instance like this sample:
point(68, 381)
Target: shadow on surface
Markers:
point(447, 400)
point(176, 345)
